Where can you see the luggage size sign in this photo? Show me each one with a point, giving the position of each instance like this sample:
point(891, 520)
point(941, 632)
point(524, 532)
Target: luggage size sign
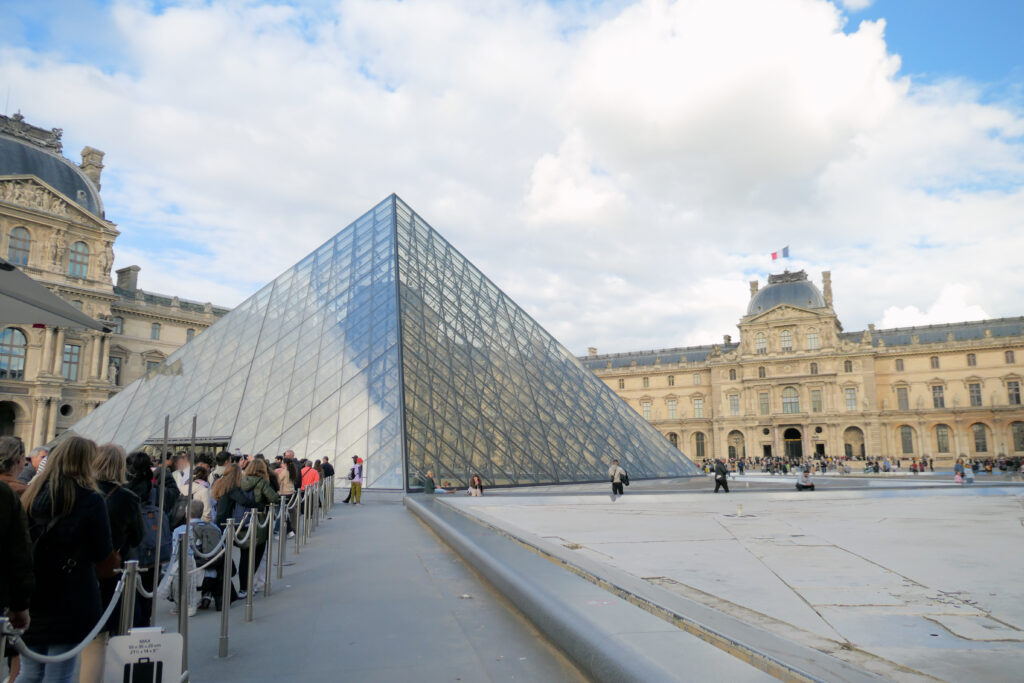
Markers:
point(146, 655)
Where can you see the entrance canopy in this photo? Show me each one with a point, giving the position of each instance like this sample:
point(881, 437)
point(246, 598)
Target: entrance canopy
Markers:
point(23, 301)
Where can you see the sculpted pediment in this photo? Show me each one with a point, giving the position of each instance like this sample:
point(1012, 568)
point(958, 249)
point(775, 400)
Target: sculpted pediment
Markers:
point(785, 312)
point(35, 194)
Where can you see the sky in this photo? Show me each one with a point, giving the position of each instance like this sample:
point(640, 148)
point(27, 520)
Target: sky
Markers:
point(621, 169)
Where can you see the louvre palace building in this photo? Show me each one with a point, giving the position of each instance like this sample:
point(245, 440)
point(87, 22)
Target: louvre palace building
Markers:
point(796, 386)
point(53, 227)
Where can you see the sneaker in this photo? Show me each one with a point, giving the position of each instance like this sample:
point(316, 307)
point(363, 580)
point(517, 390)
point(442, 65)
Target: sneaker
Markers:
point(242, 595)
point(192, 611)
point(291, 534)
point(205, 602)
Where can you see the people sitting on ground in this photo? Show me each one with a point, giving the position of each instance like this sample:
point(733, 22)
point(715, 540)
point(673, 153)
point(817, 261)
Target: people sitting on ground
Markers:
point(203, 537)
point(804, 483)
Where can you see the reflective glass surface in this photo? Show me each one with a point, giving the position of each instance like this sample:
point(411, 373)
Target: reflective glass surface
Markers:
point(388, 344)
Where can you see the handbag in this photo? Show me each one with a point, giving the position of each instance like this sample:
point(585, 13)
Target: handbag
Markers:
point(107, 567)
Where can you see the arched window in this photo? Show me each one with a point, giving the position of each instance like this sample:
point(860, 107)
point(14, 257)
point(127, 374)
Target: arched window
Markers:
point(980, 438)
point(761, 372)
point(673, 439)
point(907, 440)
point(78, 264)
point(13, 347)
point(760, 343)
point(812, 340)
point(17, 250)
point(935, 362)
point(189, 334)
point(899, 365)
point(790, 400)
point(848, 366)
point(698, 445)
point(942, 438)
point(732, 373)
point(1009, 358)
point(814, 368)
point(786, 340)
point(972, 360)
point(154, 331)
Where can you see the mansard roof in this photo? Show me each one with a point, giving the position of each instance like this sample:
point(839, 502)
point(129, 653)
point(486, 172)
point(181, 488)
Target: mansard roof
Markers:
point(933, 334)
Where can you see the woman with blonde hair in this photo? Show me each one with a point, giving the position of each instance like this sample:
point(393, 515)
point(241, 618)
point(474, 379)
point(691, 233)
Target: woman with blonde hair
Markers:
point(257, 481)
point(68, 522)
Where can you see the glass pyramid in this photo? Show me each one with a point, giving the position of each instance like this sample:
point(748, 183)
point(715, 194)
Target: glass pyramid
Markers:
point(388, 344)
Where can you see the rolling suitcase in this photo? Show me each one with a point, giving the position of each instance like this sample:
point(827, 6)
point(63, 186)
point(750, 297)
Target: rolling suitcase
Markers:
point(144, 671)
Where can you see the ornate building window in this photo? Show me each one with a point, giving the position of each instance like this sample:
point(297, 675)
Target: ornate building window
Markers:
point(673, 439)
point(154, 331)
point(980, 438)
point(671, 408)
point(646, 382)
point(974, 388)
point(189, 334)
point(698, 407)
point(851, 398)
point(815, 400)
point(907, 440)
point(69, 366)
point(786, 340)
point(152, 365)
point(938, 396)
point(903, 398)
point(734, 404)
point(671, 380)
point(645, 406)
point(814, 368)
point(760, 343)
point(622, 384)
point(764, 403)
point(115, 372)
point(761, 372)
point(1018, 436)
point(732, 373)
point(812, 340)
point(13, 347)
point(1009, 358)
point(1013, 393)
point(899, 365)
point(942, 438)
point(18, 248)
point(790, 400)
point(698, 445)
point(972, 360)
point(935, 362)
point(78, 263)
point(848, 366)
point(696, 378)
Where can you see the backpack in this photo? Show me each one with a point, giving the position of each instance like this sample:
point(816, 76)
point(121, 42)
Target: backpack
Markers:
point(205, 538)
point(625, 478)
point(250, 502)
point(146, 552)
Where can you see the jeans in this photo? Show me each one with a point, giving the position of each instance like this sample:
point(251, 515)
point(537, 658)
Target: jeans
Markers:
point(36, 672)
point(616, 488)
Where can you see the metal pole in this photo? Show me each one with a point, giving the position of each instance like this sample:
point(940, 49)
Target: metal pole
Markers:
point(160, 519)
point(298, 521)
point(307, 523)
point(183, 587)
point(282, 539)
point(268, 554)
point(316, 504)
point(131, 576)
point(253, 522)
point(225, 587)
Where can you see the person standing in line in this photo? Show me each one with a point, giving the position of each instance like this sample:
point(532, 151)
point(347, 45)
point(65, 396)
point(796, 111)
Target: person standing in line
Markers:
point(357, 480)
point(257, 480)
point(616, 474)
point(35, 462)
point(328, 468)
point(16, 578)
point(721, 476)
point(476, 486)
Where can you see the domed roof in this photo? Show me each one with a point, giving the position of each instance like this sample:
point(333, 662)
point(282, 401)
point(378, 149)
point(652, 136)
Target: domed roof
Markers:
point(19, 157)
point(788, 288)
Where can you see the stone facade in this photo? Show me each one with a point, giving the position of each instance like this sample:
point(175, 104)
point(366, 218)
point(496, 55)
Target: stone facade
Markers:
point(53, 227)
point(795, 385)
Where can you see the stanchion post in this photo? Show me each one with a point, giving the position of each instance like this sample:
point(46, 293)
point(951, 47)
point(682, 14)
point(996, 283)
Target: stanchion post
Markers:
point(253, 523)
point(268, 554)
point(299, 529)
point(3, 647)
point(283, 539)
point(160, 517)
point(131, 577)
point(183, 588)
point(225, 588)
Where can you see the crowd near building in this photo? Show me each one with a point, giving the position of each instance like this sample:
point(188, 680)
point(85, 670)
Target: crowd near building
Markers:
point(53, 227)
point(795, 387)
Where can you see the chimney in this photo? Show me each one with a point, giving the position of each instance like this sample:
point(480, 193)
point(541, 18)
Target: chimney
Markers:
point(128, 278)
point(591, 350)
point(826, 281)
point(92, 165)
point(727, 338)
point(753, 288)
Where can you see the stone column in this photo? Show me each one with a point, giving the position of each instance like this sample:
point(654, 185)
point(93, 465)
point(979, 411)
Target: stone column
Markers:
point(58, 355)
point(44, 362)
point(39, 422)
point(51, 426)
point(95, 344)
point(104, 358)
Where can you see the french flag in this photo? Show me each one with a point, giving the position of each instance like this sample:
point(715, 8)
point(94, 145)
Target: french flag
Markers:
point(784, 253)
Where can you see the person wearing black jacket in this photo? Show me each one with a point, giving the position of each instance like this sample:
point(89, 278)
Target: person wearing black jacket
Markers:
point(16, 577)
point(228, 494)
point(328, 468)
point(721, 475)
point(68, 522)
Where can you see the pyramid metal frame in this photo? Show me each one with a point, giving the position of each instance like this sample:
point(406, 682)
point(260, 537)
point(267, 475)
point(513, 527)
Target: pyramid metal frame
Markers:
point(386, 342)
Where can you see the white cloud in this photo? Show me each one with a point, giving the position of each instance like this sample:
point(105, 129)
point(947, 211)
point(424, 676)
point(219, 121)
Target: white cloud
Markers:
point(950, 306)
point(621, 172)
point(856, 5)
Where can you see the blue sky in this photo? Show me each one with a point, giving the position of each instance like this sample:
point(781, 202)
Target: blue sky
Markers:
point(622, 169)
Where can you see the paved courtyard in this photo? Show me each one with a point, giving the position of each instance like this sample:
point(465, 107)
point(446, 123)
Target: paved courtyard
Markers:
point(908, 583)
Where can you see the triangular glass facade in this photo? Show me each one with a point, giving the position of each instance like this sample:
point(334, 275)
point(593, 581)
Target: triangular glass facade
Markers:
point(387, 343)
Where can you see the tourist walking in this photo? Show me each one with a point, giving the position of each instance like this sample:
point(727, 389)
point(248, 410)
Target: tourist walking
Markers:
point(618, 477)
point(721, 475)
point(356, 474)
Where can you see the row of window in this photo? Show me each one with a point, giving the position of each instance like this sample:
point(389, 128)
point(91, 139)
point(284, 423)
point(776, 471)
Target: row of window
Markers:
point(790, 403)
point(972, 360)
point(973, 391)
point(762, 372)
point(20, 245)
point(786, 341)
